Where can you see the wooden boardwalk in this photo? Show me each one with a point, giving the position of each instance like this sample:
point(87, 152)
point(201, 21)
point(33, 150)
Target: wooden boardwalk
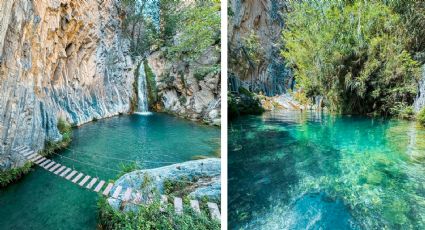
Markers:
point(124, 194)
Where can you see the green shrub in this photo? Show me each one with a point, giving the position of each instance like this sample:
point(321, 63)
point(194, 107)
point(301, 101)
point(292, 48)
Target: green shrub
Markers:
point(354, 53)
point(150, 217)
point(421, 116)
point(9, 176)
point(151, 85)
point(50, 146)
point(402, 111)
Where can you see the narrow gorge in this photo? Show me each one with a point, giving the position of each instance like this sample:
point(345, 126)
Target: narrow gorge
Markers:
point(103, 88)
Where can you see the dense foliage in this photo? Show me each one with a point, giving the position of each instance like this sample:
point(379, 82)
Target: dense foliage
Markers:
point(149, 217)
point(185, 30)
point(8, 176)
point(421, 117)
point(357, 54)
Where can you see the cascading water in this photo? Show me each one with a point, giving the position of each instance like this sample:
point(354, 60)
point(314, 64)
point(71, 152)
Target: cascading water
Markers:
point(420, 100)
point(142, 107)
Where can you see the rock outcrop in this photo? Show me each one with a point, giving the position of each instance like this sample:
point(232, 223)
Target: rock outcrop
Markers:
point(202, 178)
point(184, 90)
point(59, 59)
point(255, 28)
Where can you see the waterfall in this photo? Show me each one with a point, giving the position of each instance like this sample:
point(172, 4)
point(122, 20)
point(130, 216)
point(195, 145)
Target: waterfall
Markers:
point(142, 95)
point(420, 99)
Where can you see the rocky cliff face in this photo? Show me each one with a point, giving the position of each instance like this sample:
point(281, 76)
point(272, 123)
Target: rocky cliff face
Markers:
point(254, 42)
point(59, 59)
point(184, 90)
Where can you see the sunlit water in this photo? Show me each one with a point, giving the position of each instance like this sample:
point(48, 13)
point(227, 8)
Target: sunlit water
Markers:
point(292, 170)
point(42, 200)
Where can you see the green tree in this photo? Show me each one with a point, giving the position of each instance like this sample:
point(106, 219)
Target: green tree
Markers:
point(352, 52)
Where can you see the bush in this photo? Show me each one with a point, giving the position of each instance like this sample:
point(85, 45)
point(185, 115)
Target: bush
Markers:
point(50, 146)
point(9, 176)
point(354, 53)
point(421, 116)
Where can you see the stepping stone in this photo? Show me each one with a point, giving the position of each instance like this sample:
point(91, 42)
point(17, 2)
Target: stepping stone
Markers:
point(92, 182)
point(127, 195)
point(86, 178)
point(77, 178)
point(107, 189)
point(164, 201)
point(45, 163)
point(40, 160)
point(71, 175)
point(99, 186)
point(215, 213)
point(60, 170)
point(117, 192)
point(178, 205)
point(49, 165)
point(65, 172)
point(137, 198)
point(195, 206)
point(54, 167)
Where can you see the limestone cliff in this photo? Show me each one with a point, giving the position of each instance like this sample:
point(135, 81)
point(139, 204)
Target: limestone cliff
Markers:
point(183, 89)
point(420, 99)
point(59, 59)
point(254, 43)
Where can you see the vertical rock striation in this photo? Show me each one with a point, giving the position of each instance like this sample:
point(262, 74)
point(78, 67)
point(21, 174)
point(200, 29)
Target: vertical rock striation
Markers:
point(59, 59)
point(261, 21)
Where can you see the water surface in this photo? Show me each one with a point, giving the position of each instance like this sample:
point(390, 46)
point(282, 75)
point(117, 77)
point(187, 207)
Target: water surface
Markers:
point(293, 170)
point(42, 200)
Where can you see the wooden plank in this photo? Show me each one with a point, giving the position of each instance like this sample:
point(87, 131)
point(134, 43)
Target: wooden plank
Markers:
point(60, 170)
point(45, 163)
point(92, 182)
point(127, 195)
point(19, 148)
point(77, 178)
point(65, 172)
point(36, 158)
point(49, 165)
point(71, 175)
point(54, 167)
point(215, 213)
point(178, 205)
point(32, 156)
point(107, 189)
point(137, 198)
point(195, 206)
point(117, 192)
point(163, 202)
point(86, 178)
point(27, 152)
point(99, 186)
point(41, 160)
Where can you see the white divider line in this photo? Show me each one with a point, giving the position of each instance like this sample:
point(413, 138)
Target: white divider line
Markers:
point(70, 175)
point(99, 186)
point(77, 178)
point(86, 178)
point(127, 195)
point(215, 213)
point(65, 172)
point(107, 189)
point(178, 205)
point(60, 170)
point(54, 167)
point(195, 206)
point(92, 182)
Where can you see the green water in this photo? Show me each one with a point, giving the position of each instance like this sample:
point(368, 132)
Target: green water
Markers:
point(42, 200)
point(292, 170)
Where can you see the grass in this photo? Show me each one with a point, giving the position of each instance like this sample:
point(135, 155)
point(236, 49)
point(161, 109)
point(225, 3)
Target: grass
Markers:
point(420, 117)
point(9, 176)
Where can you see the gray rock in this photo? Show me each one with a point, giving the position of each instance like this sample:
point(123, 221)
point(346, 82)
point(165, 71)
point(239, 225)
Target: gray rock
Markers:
point(420, 99)
point(205, 175)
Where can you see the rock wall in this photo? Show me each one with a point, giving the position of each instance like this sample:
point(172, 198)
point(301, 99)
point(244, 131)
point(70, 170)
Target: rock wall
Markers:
point(182, 91)
point(59, 59)
point(262, 19)
point(420, 99)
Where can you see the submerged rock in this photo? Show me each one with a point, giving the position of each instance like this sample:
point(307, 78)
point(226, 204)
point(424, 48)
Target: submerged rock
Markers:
point(197, 179)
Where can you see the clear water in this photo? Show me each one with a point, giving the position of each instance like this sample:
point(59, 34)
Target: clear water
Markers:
point(292, 170)
point(42, 200)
